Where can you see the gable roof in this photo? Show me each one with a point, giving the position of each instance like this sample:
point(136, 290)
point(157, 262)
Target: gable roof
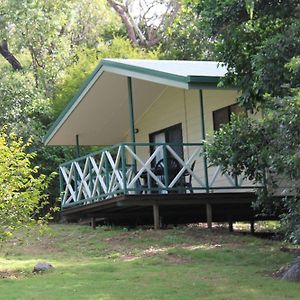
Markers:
point(101, 86)
point(180, 71)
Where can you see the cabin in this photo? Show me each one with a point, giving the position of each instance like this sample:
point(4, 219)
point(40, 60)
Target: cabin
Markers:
point(151, 118)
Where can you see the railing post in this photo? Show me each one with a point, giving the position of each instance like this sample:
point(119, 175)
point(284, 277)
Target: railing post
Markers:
point(206, 173)
point(91, 177)
point(123, 161)
point(166, 167)
point(61, 187)
point(106, 172)
point(75, 182)
point(236, 182)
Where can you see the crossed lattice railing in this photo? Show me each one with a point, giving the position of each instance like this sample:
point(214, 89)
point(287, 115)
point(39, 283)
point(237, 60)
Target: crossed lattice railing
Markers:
point(129, 169)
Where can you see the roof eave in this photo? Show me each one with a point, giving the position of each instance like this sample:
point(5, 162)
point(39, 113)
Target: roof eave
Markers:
point(73, 103)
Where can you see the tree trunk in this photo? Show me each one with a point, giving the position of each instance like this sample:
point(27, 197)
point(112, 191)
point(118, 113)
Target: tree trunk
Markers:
point(122, 12)
point(4, 51)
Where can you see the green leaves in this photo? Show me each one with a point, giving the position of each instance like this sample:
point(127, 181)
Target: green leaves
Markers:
point(21, 187)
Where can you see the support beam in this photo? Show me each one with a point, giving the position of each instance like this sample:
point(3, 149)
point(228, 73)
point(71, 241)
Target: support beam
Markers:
point(131, 111)
point(156, 216)
point(209, 215)
point(203, 135)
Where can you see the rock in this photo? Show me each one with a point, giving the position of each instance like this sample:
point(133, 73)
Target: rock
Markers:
point(41, 267)
point(293, 273)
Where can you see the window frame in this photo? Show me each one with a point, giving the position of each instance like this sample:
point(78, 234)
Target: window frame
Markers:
point(229, 110)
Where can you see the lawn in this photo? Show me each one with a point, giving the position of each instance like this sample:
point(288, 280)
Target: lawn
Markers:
point(114, 263)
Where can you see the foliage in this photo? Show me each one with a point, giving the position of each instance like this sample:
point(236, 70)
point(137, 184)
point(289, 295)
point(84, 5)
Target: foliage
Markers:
point(86, 61)
point(251, 146)
point(256, 50)
point(21, 187)
point(266, 151)
point(259, 41)
point(46, 37)
point(185, 39)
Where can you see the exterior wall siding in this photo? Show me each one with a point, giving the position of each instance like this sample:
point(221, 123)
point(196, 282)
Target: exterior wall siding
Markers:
point(183, 106)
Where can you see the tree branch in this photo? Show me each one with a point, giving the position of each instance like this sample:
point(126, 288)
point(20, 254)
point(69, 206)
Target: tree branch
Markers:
point(122, 12)
point(4, 51)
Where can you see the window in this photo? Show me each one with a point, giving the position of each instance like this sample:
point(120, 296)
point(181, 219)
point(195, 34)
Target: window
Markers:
point(223, 115)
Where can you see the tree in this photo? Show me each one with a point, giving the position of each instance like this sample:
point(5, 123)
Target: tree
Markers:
point(256, 46)
point(145, 21)
point(4, 51)
point(21, 187)
point(259, 41)
point(185, 39)
point(87, 59)
point(42, 41)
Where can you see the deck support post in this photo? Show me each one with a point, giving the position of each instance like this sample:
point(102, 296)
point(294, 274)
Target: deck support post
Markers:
point(230, 224)
point(93, 222)
point(252, 228)
point(156, 216)
point(209, 215)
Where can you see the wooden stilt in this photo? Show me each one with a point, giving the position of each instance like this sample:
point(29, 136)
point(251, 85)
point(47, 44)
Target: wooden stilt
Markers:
point(156, 216)
point(252, 228)
point(209, 215)
point(93, 222)
point(230, 223)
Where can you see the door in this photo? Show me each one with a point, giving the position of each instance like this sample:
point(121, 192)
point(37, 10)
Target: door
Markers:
point(172, 135)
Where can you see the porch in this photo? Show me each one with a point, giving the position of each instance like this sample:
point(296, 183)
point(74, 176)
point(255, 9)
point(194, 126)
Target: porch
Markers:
point(136, 182)
point(160, 111)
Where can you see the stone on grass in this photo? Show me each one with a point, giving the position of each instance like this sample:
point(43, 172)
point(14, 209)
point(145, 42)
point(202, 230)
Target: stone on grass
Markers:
point(293, 273)
point(42, 267)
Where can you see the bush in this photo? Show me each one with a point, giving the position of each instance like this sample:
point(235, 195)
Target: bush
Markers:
point(21, 186)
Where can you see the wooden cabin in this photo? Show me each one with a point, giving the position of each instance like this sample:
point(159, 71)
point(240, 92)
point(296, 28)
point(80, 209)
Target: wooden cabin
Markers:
point(151, 116)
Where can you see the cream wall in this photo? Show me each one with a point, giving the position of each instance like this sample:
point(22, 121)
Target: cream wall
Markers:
point(183, 106)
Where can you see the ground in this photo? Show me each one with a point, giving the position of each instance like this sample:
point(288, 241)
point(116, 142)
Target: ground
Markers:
point(116, 263)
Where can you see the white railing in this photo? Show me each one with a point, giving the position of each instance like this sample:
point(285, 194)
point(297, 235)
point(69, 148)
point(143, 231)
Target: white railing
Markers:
point(131, 169)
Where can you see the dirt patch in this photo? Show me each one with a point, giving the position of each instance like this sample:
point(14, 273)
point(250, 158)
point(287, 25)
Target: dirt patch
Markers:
point(6, 274)
point(177, 259)
point(295, 251)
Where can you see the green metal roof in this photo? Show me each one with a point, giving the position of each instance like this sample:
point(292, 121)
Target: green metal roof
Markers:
point(184, 71)
point(182, 74)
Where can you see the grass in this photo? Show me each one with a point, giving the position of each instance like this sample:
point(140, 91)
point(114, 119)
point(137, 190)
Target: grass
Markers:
point(113, 263)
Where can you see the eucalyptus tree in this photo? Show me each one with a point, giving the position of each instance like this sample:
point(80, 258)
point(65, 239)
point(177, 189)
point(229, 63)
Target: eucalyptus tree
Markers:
point(146, 20)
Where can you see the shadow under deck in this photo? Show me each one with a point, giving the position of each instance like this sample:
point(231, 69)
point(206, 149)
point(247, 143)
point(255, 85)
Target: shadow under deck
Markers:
point(169, 208)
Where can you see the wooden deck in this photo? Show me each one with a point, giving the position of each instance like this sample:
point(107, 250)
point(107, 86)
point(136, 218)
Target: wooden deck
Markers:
point(164, 209)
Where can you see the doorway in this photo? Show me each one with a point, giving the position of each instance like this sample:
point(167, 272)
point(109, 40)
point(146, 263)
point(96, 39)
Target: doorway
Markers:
point(172, 134)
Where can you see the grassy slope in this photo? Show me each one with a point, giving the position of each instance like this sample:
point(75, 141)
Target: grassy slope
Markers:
point(188, 263)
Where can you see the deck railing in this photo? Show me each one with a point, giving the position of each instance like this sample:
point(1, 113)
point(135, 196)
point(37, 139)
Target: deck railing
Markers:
point(131, 169)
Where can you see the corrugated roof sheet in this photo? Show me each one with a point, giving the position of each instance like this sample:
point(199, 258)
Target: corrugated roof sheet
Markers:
point(176, 67)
